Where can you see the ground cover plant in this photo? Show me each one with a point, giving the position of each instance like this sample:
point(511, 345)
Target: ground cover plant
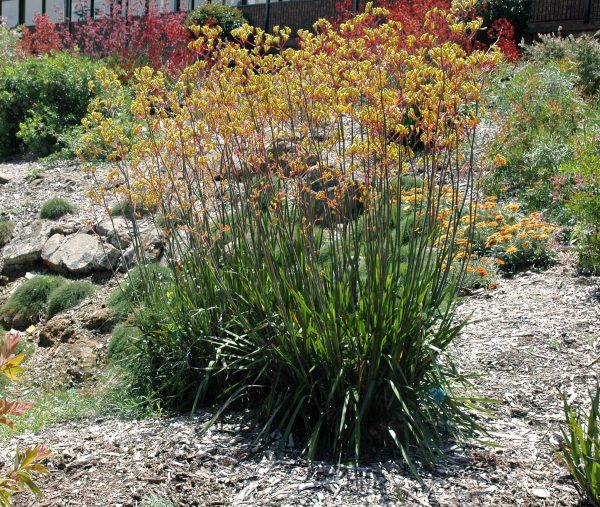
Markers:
point(68, 296)
point(6, 231)
point(56, 207)
point(346, 354)
point(28, 302)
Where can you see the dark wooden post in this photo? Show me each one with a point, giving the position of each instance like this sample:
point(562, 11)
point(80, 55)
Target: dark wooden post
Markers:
point(21, 12)
point(267, 15)
point(355, 6)
point(587, 11)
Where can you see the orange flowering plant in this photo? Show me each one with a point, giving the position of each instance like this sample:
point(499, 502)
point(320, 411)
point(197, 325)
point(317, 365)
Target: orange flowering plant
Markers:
point(307, 287)
point(19, 476)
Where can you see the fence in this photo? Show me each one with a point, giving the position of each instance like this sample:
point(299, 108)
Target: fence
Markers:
point(299, 14)
point(570, 15)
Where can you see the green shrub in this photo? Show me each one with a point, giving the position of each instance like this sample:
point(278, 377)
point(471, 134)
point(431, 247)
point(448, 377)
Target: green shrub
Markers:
point(30, 299)
point(56, 207)
point(581, 447)
point(584, 203)
point(538, 108)
point(9, 50)
point(6, 231)
point(228, 18)
point(67, 296)
point(582, 52)
point(40, 99)
point(131, 292)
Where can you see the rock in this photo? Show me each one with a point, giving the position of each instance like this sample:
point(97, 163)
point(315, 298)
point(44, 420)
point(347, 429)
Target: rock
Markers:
point(116, 231)
point(153, 245)
point(26, 248)
point(101, 319)
point(68, 228)
point(79, 254)
point(4, 179)
point(59, 329)
point(83, 359)
point(540, 493)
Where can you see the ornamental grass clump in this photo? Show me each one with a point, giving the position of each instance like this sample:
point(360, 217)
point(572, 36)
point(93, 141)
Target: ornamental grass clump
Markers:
point(260, 161)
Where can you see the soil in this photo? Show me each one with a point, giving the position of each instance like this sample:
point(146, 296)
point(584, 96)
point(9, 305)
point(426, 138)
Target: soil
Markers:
point(527, 342)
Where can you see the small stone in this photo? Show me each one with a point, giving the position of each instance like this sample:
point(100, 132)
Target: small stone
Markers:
point(540, 493)
point(4, 179)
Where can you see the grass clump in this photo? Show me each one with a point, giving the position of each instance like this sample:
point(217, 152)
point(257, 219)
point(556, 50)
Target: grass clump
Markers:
point(122, 341)
point(130, 292)
point(157, 501)
point(6, 231)
point(55, 208)
point(581, 447)
point(67, 296)
point(29, 301)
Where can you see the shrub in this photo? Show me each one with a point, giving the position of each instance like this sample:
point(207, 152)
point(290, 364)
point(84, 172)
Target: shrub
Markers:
point(40, 99)
point(584, 204)
point(6, 231)
point(514, 11)
point(224, 16)
point(20, 475)
point(158, 39)
point(30, 299)
point(538, 108)
point(348, 354)
point(581, 447)
point(67, 296)
point(582, 52)
point(9, 49)
point(56, 207)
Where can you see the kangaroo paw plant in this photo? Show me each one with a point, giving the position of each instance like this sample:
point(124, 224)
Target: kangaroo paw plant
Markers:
point(308, 287)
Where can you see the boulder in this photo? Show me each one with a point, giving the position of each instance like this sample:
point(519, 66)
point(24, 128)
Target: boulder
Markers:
point(26, 248)
point(116, 231)
point(79, 254)
point(102, 319)
point(59, 329)
point(153, 245)
point(4, 179)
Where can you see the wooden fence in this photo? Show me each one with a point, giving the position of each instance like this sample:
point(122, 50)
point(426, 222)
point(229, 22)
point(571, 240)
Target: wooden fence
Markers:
point(570, 15)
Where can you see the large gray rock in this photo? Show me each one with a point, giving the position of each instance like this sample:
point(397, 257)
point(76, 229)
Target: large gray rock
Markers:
point(79, 254)
point(26, 248)
point(117, 231)
point(152, 241)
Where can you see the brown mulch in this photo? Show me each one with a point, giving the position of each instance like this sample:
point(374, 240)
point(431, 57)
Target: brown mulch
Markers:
point(532, 338)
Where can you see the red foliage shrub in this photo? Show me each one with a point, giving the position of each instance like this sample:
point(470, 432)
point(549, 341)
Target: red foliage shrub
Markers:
point(411, 13)
point(502, 33)
point(46, 37)
point(156, 39)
